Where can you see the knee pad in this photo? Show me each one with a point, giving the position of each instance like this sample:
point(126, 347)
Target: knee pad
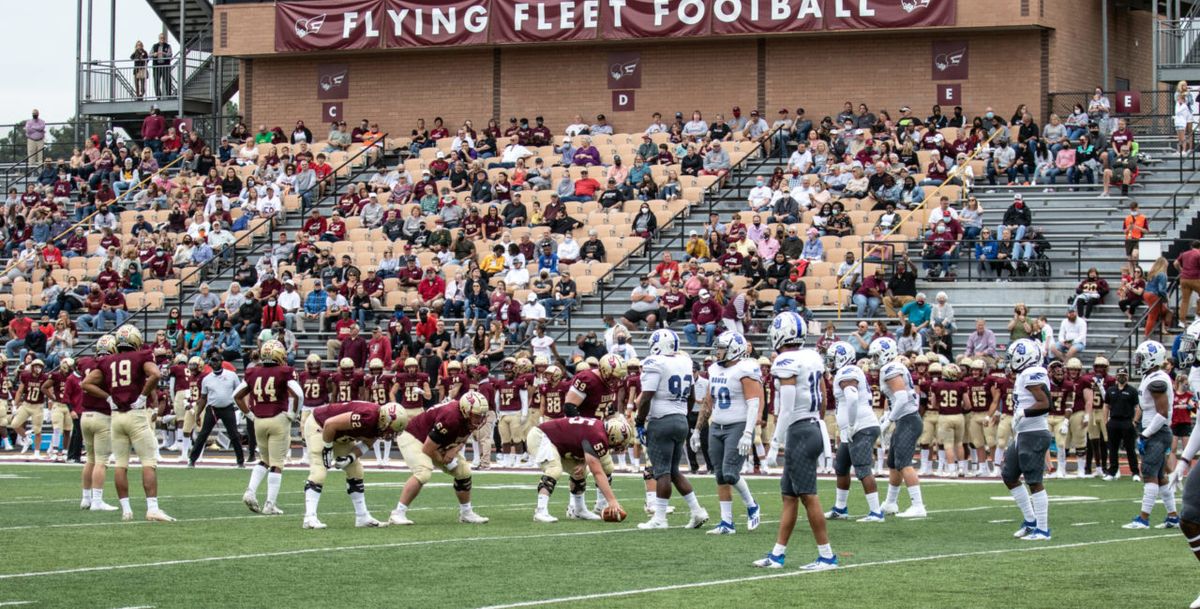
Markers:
point(355, 485)
point(462, 486)
point(315, 486)
point(861, 472)
point(548, 484)
point(647, 474)
point(728, 479)
point(578, 486)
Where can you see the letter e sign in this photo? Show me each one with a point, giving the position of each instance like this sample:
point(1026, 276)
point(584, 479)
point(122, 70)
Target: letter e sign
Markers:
point(949, 95)
point(1129, 102)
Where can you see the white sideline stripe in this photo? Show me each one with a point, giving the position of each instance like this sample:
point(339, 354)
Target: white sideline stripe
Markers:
point(751, 578)
point(1084, 524)
point(15, 603)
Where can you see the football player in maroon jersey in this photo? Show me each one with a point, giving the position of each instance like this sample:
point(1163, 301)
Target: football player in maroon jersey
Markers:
point(379, 388)
point(7, 402)
point(184, 382)
point(512, 406)
point(1001, 408)
point(61, 421)
point(630, 392)
point(265, 396)
point(31, 402)
point(981, 434)
point(576, 446)
point(411, 388)
point(949, 396)
point(126, 380)
point(1093, 393)
point(314, 382)
point(332, 433)
point(434, 439)
point(347, 382)
point(481, 439)
point(455, 383)
point(95, 425)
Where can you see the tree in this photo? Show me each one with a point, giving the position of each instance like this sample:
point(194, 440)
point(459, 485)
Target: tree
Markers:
point(12, 144)
point(230, 109)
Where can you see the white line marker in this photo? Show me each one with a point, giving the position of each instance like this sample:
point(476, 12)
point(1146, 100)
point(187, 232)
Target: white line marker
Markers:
point(1001, 521)
point(15, 603)
point(880, 563)
point(1084, 524)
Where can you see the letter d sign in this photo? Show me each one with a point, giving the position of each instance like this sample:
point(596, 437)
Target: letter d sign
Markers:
point(622, 101)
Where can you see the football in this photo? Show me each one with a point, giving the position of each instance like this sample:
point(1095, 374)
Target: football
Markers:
point(613, 514)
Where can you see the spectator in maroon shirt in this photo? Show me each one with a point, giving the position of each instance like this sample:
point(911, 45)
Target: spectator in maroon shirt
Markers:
point(160, 264)
point(114, 306)
point(108, 277)
point(315, 225)
point(941, 245)
point(673, 303)
point(76, 244)
point(869, 295)
point(410, 276)
point(269, 287)
point(706, 315)
point(354, 347)
point(154, 126)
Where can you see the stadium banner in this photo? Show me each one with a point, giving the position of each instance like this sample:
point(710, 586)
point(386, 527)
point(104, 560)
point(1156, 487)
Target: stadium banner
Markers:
point(325, 25)
point(328, 25)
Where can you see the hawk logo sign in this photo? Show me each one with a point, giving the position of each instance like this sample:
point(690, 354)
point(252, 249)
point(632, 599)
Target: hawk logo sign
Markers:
point(304, 27)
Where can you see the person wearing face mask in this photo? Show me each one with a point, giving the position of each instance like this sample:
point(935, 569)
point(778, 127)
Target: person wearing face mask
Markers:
point(760, 195)
point(1017, 219)
point(216, 402)
point(940, 246)
point(645, 224)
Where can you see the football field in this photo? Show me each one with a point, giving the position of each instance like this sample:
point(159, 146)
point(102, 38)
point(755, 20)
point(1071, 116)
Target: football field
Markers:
point(220, 555)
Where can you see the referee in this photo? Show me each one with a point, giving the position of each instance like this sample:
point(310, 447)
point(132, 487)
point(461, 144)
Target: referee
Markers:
point(216, 401)
point(1121, 402)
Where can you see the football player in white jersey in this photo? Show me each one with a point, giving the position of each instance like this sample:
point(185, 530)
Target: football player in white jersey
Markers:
point(1155, 400)
point(732, 409)
point(902, 413)
point(1025, 456)
point(1190, 516)
point(858, 429)
point(662, 414)
point(797, 374)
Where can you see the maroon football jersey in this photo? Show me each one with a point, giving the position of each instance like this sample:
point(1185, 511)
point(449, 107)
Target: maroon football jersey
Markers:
point(269, 389)
point(8, 389)
point(183, 377)
point(576, 436)
point(364, 418)
point(553, 399)
point(444, 424)
point(58, 380)
point(1004, 386)
point(876, 394)
point(346, 386)
point(315, 388)
point(378, 386)
point(455, 385)
point(598, 398)
point(508, 395)
point(1060, 397)
point(124, 376)
point(951, 396)
point(768, 391)
point(410, 394)
point(90, 402)
point(979, 393)
point(33, 386)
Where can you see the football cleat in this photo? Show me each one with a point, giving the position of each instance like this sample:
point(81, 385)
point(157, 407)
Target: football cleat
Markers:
point(543, 516)
point(654, 523)
point(311, 522)
point(723, 528)
point(367, 522)
point(584, 514)
point(821, 564)
point(838, 514)
point(753, 517)
point(270, 509)
point(889, 508)
point(1137, 478)
point(1107, 478)
point(400, 518)
point(85, 504)
point(1027, 527)
point(1171, 522)
point(251, 501)
point(649, 508)
point(104, 507)
point(699, 517)
point(1037, 535)
point(770, 561)
point(472, 518)
point(913, 511)
point(126, 516)
point(158, 516)
point(1195, 604)
point(1137, 523)
point(872, 517)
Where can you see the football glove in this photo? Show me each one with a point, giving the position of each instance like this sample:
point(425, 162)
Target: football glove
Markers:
point(327, 456)
point(885, 425)
point(1176, 476)
point(343, 462)
point(773, 455)
point(111, 404)
point(1087, 418)
point(746, 443)
point(641, 434)
point(250, 416)
point(1064, 427)
point(1141, 445)
point(452, 464)
point(139, 403)
point(694, 441)
point(844, 435)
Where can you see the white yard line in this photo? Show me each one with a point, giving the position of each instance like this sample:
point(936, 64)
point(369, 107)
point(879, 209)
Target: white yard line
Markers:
point(15, 603)
point(1084, 524)
point(793, 573)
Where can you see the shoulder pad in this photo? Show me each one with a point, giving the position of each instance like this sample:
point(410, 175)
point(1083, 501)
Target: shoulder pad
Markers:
point(1159, 386)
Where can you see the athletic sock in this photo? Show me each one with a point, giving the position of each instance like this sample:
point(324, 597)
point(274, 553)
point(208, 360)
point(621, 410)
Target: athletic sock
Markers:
point(914, 495)
point(779, 550)
point(543, 502)
point(998, 458)
point(151, 504)
point(660, 508)
point(650, 496)
point(893, 494)
point(962, 466)
point(1149, 496)
point(692, 502)
point(87, 495)
point(125, 505)
point(97, 496)
point(1041, 509)
point(1020, 494)
point(577, 502)
point(359, 501)
point(873, 502)
point(924, 458)
point(760, 450)
point(843, 497)
point(726, 511)
point(1062, 462)
point(1079, 463)
point(274, 481)
point(1168, 498)
point(743, 489)
point(256, 477)
point(55, 436)
point(825, 551)
point(387, 450)
point(465, 508)
point(941, 459)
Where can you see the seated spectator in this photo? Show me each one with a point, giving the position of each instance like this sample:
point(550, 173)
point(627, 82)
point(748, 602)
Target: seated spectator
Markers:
point(1072, 337)
point(705, 316)
point(869, 295)
point(1089, 293)
point(1121, 170)
point(716, 162)
point(584, 190)
point(645, 224)
point(792, 294)
point(644, 305)
point(1130, 293)
point(586, 155)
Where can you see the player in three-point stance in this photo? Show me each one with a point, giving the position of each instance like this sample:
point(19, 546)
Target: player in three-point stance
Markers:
point(662, 417)
point(1155, 400)
point(1025, 456)
point(797, 373)
point(858, 429)
point(575, 446)
point(732, 408)
point(902, 413)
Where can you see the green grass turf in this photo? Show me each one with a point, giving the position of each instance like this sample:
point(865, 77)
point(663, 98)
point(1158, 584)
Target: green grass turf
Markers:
point(440, 563)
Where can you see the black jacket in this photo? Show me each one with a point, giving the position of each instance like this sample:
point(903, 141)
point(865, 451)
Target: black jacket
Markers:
point(1122, 402)
point(1017, 217)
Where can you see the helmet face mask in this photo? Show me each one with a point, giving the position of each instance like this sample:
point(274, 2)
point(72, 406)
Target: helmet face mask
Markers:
point(619, 433)
point(730, 347)
point(474, 407)
point(313, 363)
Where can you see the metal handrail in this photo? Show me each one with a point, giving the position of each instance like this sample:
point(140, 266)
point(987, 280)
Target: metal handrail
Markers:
point(249, 234)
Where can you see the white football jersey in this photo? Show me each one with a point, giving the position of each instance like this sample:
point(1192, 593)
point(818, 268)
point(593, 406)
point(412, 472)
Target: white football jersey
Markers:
point(807, 367)
point(670, 378)
point(892, 370)
point(1146, 399)
point(858, 415)
point(1023, 398)
point(725, 390)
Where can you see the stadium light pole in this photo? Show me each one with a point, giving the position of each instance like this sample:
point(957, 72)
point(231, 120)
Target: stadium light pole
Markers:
point(182, 53)
point(78, 67)
point(112, 49)
point(1104, 44)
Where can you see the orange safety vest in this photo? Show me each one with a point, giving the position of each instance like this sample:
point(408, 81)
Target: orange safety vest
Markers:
point(1135, 226)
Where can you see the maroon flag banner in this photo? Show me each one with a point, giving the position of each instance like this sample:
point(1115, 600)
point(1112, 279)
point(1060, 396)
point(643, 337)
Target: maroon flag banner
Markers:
point(544, 21)
point(424, 23)
point(327, 25)
point(767, 17)
point(658, 19)
point(874, 14)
